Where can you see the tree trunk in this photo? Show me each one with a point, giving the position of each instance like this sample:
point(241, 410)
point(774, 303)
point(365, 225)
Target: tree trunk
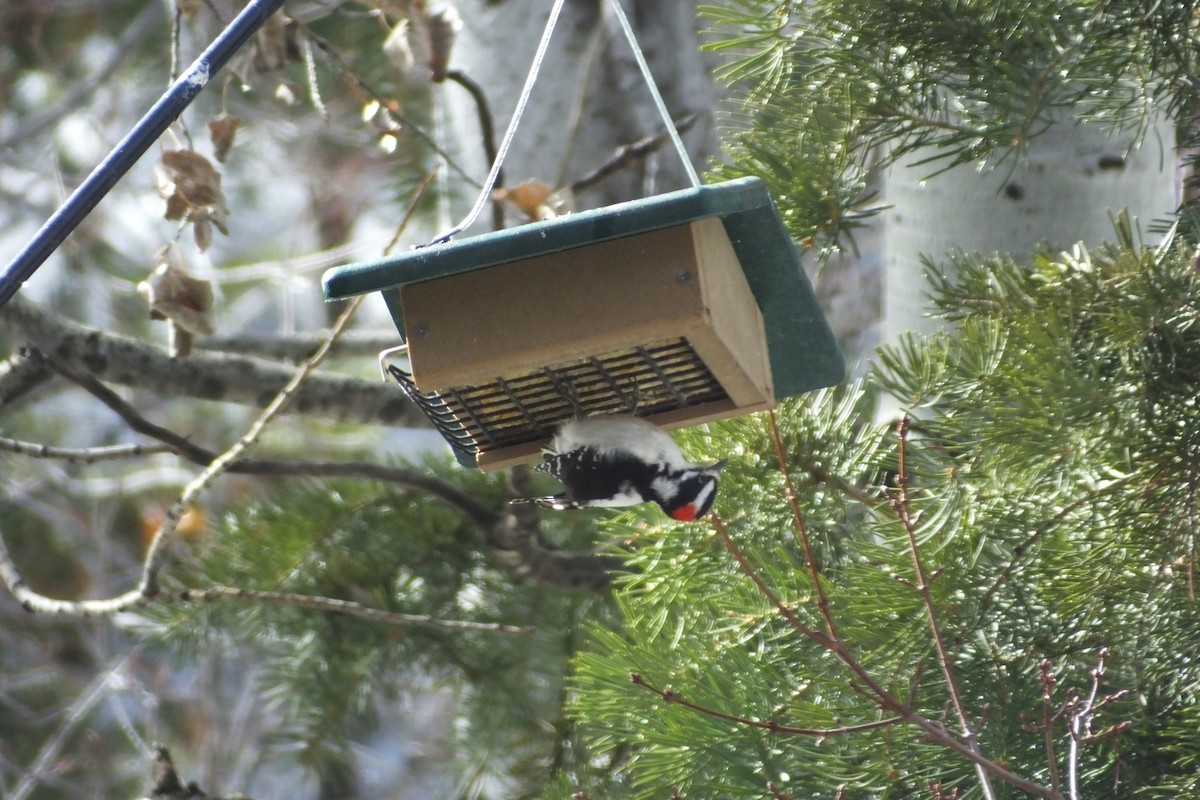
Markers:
point(1075, 179)
point(590, 97)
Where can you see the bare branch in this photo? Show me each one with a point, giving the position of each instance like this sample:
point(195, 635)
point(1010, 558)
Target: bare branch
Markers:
point(670, 696)
point(902, 503)
point(82, 455)
point(296, 347)
point(630, 154)
point(866, 684)
point(487, 131)
point(1081, 714)
point(19, 377)
point(232, 379)
point(514, 538)
point(211, 594)
point(148, 586)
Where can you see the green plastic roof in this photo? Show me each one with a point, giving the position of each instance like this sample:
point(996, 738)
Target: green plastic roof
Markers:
point(804, 355)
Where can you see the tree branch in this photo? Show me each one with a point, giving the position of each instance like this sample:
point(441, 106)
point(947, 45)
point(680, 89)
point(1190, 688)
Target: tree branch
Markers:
point(231, 379)
point(630, 154)
point(19, 377)
point(82, 455)
point(871, 687)
point(333, 605)
point(487, 131)
point(902, 503)
point(669, 696)
point(147, 587)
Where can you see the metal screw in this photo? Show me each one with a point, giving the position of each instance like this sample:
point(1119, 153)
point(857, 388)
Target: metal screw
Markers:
point(683, 276)
point(420, 331)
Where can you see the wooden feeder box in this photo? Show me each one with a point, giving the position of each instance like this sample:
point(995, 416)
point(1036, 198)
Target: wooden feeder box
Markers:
point(682, 308)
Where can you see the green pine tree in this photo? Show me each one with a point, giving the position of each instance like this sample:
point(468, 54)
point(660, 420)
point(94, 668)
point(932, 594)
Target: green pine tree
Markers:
point(993, 598)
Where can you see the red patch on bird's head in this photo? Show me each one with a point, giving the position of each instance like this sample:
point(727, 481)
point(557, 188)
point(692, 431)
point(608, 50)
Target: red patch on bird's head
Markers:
point(685, 513)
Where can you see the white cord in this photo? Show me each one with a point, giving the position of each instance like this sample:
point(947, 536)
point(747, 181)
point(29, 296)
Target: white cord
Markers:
point(658, 100)
point(486, 193)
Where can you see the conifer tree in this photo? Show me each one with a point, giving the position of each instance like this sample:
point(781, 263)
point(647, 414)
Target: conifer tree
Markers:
point(993, 596)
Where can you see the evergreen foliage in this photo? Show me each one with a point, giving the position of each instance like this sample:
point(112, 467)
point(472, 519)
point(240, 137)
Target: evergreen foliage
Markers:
point(325, 673)
point(1052, 472)
point(832, 86)
point(1048, 490)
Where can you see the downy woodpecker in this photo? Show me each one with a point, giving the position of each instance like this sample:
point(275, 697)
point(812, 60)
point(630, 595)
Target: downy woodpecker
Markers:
point(622, 461)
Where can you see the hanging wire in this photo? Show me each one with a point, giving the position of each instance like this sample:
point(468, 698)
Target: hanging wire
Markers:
point(658, 100)
point(523, 101)
point(486, 192)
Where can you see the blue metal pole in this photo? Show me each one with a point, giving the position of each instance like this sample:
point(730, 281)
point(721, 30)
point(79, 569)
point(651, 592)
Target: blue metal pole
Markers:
point(136, 142)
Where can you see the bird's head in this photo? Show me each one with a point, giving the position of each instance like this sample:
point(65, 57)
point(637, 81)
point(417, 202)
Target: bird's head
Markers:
point(689, 496)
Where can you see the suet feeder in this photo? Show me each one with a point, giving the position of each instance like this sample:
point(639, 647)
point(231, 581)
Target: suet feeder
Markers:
point(681, 308)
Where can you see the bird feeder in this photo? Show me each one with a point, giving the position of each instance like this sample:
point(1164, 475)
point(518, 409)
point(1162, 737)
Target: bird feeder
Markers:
point(681, 308)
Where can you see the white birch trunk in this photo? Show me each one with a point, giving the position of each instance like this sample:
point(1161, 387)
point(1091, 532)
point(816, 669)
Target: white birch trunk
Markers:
point(590, 97)
point(1076, 178)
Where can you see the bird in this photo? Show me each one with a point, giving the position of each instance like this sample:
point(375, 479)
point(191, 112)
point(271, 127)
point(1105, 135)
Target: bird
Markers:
point(622, 460)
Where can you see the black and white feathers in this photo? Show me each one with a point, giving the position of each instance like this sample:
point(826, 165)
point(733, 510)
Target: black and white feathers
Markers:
point(622, 460)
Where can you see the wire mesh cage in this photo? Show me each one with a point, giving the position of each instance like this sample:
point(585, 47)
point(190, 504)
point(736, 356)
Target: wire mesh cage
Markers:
point(512, 416)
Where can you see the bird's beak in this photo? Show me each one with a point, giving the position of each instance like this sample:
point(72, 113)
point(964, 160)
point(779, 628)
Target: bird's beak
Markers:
point(713, 469)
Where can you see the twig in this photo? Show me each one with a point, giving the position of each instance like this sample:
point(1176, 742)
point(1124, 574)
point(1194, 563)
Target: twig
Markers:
point(802, 529)
point(828, 642)
point(487, 131)
point(418, 193)
point(1081, 715)
point(211, 594)
point(902, 503)
point(82, 455)
point(296, 346)
point(869, 686)
point(1048, 680)
point(336, 57)
point(630, 154)
point(670, 696)
point(147, 587)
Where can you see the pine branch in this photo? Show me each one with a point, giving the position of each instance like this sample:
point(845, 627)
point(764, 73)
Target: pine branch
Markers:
point(867, 684)
point(670, 696)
